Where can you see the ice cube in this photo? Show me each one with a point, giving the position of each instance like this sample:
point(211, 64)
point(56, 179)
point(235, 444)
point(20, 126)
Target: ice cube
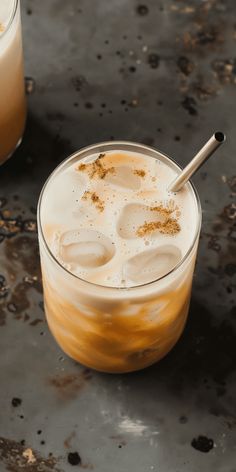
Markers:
point(125, 178)
point(85, 248)
point(151, 265)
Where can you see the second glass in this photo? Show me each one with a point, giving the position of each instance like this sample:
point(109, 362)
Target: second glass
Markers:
point(12, 92)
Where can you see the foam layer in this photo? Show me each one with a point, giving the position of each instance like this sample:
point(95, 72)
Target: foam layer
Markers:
point(10, 38)
point(6, 9)
point(109, 218)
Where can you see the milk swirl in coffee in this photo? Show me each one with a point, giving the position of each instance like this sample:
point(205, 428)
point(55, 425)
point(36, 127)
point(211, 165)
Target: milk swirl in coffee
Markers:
point(110, 220)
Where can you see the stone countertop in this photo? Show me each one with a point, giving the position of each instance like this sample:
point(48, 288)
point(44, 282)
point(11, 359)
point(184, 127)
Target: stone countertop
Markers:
point(162, 73)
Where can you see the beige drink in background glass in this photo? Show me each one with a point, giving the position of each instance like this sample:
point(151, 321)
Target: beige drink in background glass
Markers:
point(117, 255)
point(12, 93)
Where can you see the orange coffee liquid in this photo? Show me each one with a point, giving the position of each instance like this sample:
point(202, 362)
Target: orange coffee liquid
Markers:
point(118, 341)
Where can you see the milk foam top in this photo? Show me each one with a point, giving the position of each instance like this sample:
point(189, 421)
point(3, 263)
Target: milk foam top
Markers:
point(6, 9)
point(109, 218)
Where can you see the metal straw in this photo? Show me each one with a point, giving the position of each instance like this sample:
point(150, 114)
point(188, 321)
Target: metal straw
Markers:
point(205, 152)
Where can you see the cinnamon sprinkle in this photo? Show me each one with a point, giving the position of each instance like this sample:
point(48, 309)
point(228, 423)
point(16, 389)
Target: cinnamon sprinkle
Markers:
point(1, 28)
point(97, 168)
point(99, 204)
point(140, 172)
point(162, 210)
point(167, 225)
point(170, 208)
point(170, 226)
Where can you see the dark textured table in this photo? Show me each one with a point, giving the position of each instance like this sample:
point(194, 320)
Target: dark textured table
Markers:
point(162, 73)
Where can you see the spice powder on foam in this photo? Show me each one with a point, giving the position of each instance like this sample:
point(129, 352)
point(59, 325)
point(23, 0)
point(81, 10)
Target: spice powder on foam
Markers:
point(96, 168)
point(99, 204)
point(140, 172)
point(169, 226)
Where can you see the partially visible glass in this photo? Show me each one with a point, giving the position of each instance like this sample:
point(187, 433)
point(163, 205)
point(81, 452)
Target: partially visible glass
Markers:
point(113, 329)
point(12, 92)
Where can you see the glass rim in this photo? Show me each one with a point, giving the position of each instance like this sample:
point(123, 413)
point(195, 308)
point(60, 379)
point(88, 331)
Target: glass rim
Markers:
point(118, 143)
point(11, 19)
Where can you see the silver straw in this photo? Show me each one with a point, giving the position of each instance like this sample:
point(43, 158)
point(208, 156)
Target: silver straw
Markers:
point(205, 152)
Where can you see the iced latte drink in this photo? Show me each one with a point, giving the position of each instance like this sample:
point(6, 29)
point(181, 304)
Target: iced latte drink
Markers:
point(12, 95)
point(117, 255)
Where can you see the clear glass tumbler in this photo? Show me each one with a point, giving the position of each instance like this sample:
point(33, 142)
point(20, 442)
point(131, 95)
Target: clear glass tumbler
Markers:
point(12, 91)
point(115, 329)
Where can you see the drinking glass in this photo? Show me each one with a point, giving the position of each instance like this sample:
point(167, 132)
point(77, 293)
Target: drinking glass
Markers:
point(114, 329)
